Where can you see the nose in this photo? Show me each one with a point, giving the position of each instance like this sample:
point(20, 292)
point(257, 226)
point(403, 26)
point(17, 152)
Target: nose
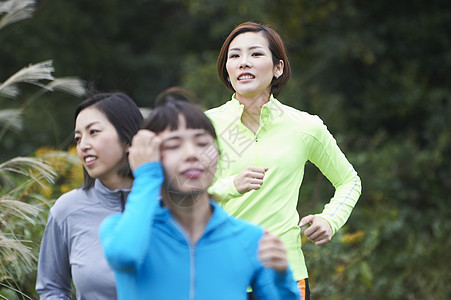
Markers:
point(84, 144)
point(244, 62)
point(191, 151)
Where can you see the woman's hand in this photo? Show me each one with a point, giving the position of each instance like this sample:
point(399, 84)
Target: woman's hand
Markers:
point(251, 178)
point(145, 148)
point(319, 231)
point(272, 253)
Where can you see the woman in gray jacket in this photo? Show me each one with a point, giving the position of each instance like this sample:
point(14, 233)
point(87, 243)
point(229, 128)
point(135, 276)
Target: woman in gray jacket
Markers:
point(70, 250)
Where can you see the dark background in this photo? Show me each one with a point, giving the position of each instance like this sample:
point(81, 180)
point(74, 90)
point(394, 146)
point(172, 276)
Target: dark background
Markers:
point(377, 73)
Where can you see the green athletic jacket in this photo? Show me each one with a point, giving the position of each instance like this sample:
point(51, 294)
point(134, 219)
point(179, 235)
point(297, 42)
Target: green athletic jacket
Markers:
point(286, 139)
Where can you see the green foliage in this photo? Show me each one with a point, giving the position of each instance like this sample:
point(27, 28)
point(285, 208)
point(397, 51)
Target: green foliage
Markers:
point(20, 207)
point(375, 72)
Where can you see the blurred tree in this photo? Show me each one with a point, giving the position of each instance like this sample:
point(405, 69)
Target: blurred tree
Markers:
point(376, 72)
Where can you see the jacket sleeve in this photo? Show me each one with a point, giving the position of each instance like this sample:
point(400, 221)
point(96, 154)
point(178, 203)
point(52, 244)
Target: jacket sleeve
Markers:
point(223, 189)
point(54, 280)
point(268, 284)
point(327, 156)
point(271, 285)
point(125, 237)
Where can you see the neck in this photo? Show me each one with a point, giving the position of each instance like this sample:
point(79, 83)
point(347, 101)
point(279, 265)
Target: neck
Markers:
point(192, 212)
point(254, 103)
point(117, 183)
point(252, 110)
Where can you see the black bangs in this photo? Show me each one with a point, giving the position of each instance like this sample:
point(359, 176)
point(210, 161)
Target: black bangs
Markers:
point(166, 115)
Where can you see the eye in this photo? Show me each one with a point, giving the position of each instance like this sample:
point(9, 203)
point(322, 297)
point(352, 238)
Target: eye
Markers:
point(203, 141)
point(171, 146)
point(233, 55)
point(93, 131)
point(203, 144)
point(77, 139)
point(257, 54)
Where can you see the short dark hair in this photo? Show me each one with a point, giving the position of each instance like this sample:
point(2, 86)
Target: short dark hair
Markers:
point(276, 46)
point(123, 113)
point(172, 103)
point(176, 93)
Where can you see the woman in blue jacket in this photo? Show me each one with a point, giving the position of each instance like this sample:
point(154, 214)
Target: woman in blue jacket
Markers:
point(172, 241)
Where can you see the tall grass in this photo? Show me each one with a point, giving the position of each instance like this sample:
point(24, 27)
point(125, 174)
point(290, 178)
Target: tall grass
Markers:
point(19, 175)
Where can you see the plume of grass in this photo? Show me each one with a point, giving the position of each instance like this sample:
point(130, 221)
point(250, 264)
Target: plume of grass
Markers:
point(33, 74)
point(70, 85)
point(18, 174)
point(30, 167)
point(19, 209)
point(10, 91)
point(15, 253)
point(15, 10)
point(11, 118)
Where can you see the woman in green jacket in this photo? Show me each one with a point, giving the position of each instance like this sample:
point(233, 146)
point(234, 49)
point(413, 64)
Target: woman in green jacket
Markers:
point(265, 145)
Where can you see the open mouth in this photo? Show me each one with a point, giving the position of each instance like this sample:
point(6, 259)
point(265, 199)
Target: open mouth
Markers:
point(89, 160)
point(193, 173)
point(246, 77)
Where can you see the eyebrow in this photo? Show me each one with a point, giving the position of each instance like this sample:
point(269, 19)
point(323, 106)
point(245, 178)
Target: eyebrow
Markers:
point(250, 48)
point(176, 137)
point(87, 126)
point(171, 138)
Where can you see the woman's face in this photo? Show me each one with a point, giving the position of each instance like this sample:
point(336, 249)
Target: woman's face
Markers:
point(99, 147)
point(250, 66)
point(189, 158)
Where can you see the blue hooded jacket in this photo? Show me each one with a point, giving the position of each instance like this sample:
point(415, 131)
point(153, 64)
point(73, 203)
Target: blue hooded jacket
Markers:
point(153, 258)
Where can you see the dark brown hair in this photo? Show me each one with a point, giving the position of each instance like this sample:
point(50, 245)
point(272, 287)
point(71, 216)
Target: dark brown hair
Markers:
point(123, 114)
point(276, 46)
point(172, 103)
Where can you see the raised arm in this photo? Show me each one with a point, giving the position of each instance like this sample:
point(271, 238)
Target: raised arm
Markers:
point(125, 237)
point(250, 178)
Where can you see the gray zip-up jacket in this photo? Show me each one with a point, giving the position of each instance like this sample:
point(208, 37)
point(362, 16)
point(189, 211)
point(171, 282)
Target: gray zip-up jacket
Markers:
point(70, 248)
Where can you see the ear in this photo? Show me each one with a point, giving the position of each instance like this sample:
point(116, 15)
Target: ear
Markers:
point(278, 69)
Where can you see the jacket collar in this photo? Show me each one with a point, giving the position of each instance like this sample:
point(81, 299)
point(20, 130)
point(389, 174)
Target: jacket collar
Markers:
point(218, 217)
point(111, 199)
point(270, 110)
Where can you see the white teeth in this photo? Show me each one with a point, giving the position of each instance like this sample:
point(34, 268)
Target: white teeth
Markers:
point(246, 77)
point(90, 158)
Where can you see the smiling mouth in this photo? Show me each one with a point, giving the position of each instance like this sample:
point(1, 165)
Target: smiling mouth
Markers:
point(90, 160)
point(245, 77)
point(193, 173)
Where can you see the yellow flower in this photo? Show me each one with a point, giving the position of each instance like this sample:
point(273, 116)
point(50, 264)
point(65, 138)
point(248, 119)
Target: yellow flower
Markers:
point(46, 191)
point(353, 238)
point(339, 269)
point(43, 151)
point(65, 188)
point(72, 150)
